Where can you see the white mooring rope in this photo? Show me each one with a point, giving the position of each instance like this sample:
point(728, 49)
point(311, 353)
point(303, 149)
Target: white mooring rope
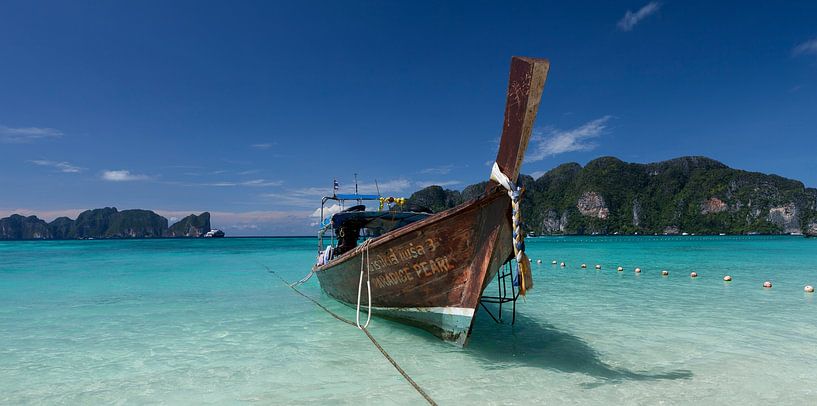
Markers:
point(364, 261)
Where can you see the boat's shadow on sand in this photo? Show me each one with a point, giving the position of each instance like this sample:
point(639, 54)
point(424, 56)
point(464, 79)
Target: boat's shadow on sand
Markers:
point(533, 343)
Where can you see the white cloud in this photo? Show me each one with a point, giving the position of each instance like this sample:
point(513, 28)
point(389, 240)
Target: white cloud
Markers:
point(630, 18)
point(122, 176)
point(537, 174)
point(577, 139)
point(63, 167)
point(26, 134)
point(808, 47)
point(311, 196)
point(263, 145)
point(438, 170)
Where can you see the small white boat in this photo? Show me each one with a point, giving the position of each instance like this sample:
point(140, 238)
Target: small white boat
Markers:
point(214, 234)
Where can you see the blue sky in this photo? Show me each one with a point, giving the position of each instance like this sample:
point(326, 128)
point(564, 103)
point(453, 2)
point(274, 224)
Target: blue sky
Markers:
point(249, 110)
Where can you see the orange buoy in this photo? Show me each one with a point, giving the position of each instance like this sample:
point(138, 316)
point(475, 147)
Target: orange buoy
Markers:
point(664, 273)
point(727, 278)
point(767, 284)
point(619, 269)
point(694, 274)
point(809, 289)
point(637, 270)
point(598, 266)
point(584, 266)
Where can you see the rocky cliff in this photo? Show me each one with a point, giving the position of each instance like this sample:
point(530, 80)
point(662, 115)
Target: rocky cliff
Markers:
point(687, 194)
point(107, 222)
point(17, 227)
point(191, 226)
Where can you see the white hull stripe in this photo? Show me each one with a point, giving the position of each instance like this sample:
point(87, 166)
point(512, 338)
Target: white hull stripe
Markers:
point(450, 311)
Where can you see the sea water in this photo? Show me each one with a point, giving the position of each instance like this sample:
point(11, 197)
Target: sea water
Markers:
point(205, 322)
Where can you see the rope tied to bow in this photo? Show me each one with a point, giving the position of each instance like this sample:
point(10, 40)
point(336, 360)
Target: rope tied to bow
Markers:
point(518, 238)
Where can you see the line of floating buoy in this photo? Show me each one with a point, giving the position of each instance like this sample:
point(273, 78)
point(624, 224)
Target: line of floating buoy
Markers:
point(693, 274)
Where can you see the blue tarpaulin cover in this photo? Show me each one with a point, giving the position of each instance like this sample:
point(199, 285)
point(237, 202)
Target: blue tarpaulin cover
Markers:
point(357, 197)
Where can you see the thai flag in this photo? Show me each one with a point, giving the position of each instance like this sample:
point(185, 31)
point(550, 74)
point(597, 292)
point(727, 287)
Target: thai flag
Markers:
point(336, 185)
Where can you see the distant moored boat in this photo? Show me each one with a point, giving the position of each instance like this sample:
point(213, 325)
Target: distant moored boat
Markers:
point(214, 234)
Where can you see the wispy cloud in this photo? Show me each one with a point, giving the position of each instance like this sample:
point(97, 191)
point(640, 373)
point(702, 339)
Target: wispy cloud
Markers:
point(24, 135)
point(438, 170)
point(122, 175)
point(559, 141)
point(263, 145)
point(310, 196)
point(63, 167)
point(631, 18)
point(249, 183)
point(806, 48)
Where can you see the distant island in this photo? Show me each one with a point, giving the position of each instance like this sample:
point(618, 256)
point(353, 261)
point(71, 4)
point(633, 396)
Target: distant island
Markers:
point(107, 222)
point(684, 195)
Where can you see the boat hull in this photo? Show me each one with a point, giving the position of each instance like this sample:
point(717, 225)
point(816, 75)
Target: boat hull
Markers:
point(431, 273)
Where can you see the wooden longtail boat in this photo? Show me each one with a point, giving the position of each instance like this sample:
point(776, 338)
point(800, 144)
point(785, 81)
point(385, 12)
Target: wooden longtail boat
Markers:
point(430, 270)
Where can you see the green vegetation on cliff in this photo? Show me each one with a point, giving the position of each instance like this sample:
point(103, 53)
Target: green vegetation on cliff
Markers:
point(107, 222)
point(688, 194)
point(191, 226)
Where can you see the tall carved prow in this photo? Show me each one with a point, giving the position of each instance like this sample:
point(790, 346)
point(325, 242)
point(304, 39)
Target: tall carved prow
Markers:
point(525, 85)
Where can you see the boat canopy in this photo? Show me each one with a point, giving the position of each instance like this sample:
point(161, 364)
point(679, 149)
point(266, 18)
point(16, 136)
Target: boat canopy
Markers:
point(368, 218)
point(351, 196)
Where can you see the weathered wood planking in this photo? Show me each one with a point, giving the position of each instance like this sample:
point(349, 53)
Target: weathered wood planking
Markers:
point(430, 273)
point(525, 86)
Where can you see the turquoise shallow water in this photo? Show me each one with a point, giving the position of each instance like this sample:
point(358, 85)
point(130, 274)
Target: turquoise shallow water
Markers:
point(202, 321)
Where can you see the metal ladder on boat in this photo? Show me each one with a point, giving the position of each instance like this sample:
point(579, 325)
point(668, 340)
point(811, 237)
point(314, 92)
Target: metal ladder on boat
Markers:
point(504, 277)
